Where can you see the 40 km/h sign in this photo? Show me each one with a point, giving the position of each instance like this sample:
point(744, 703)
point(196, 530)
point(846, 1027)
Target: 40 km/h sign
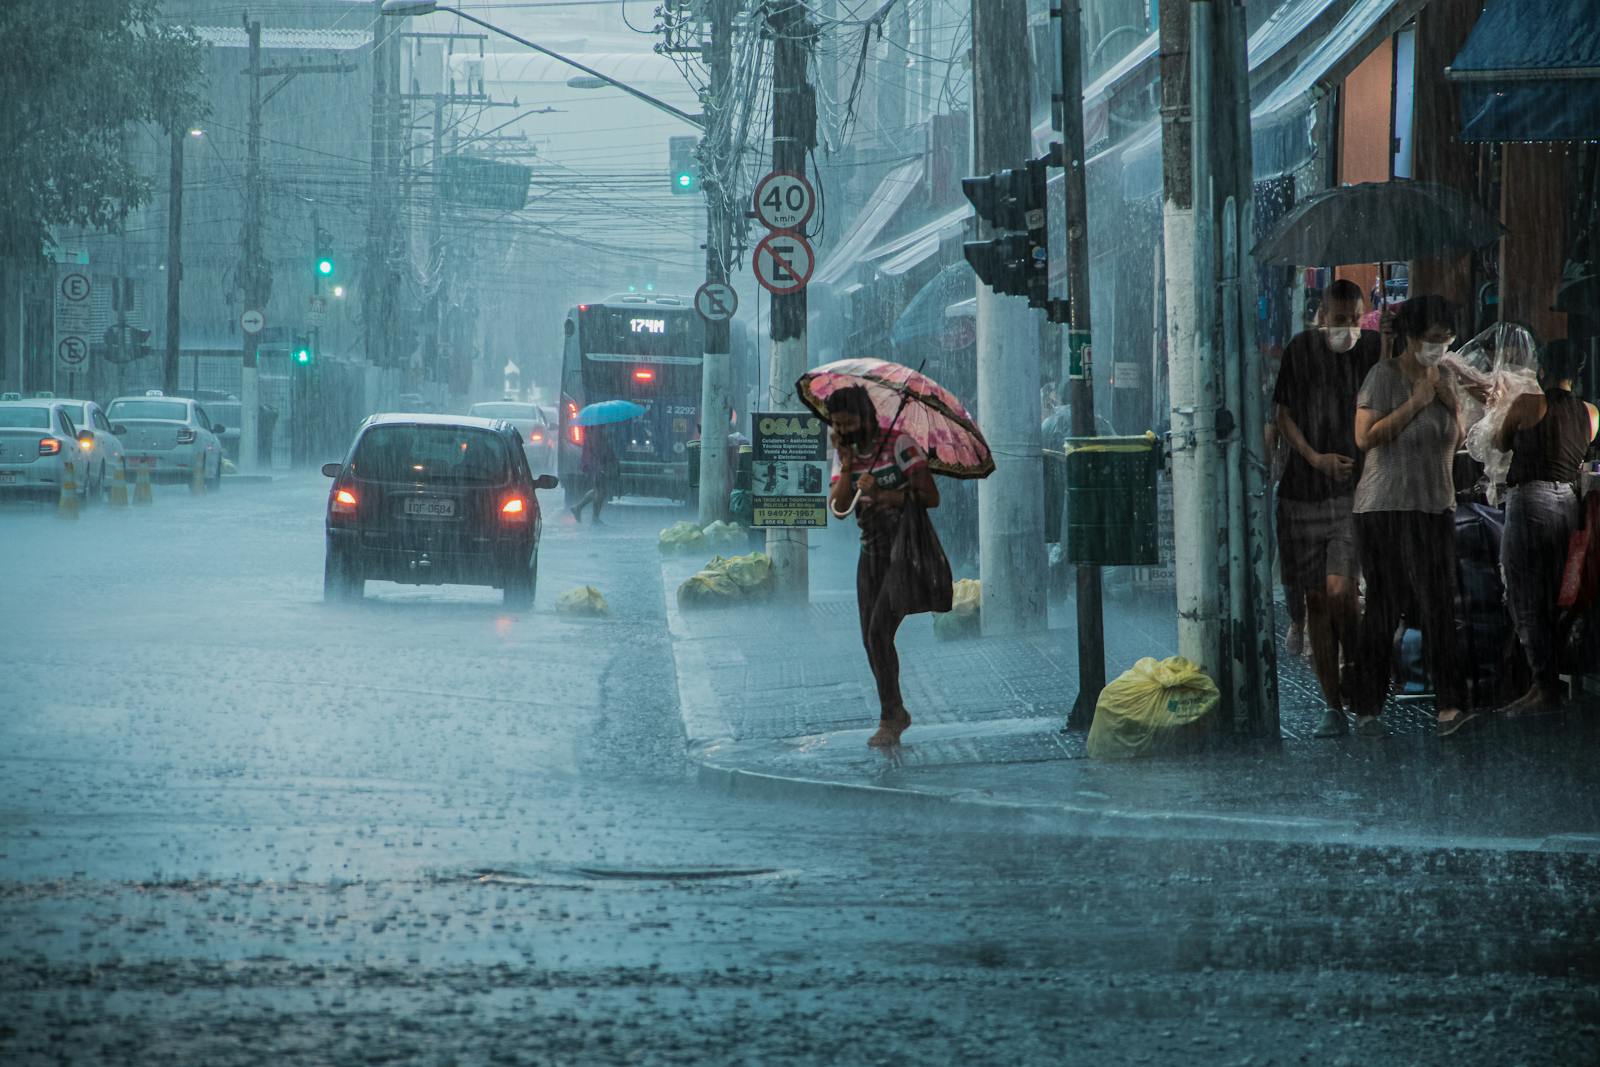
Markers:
point(784, 201)
point(783, 262)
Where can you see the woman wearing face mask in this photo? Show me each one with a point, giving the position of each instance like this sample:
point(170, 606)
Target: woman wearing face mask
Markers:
point(1406, 427)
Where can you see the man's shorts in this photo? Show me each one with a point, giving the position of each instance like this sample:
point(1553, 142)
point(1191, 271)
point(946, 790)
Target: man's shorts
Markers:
point(1316, 539)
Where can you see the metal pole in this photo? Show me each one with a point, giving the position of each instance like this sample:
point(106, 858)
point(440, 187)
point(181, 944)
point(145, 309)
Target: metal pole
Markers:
point(380, 214)
point(251, 279)
point(435, 334)
point(169, 364)
point(1091, 621)
point(715, 407)
point(1011, 550)
point(794, 132)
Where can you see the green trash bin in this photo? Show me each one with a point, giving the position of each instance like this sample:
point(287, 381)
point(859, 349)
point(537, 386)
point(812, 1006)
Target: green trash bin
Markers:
point(1111, 501)
point(692, 451)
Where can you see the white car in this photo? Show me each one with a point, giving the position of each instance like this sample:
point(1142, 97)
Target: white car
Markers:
point(537, 432)
point(37, 440)
point(101, 446)
point(173, 429)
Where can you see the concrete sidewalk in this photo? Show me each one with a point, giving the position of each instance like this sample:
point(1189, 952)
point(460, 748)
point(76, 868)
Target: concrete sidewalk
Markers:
point(782, 700)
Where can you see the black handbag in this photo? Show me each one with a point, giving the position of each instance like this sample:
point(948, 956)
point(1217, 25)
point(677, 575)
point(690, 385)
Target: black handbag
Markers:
point(919, 573)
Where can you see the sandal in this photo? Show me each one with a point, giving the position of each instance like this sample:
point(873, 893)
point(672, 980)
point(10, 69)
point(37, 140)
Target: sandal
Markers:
point(1456, 722)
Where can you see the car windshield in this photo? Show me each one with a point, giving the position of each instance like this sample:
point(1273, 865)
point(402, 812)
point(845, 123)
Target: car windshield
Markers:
point(435, 454)
point(523, 412)
point(28, 418)
point(149, 409)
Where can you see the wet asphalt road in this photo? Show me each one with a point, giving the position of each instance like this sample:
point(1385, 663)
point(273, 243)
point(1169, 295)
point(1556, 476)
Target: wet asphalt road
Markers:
point(240, 826)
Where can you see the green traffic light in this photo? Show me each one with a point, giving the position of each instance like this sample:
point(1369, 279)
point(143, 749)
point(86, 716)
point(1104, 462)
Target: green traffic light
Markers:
point(303, 356)
point(685, 181)
point(325, 266)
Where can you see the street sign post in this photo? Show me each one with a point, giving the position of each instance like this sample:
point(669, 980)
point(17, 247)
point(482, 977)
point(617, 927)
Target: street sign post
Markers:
point(716, 301)
point(783, 262)
point(317, 311)
point(784, 201)
point(789, 471)
point(252, 321)
point(72, 314)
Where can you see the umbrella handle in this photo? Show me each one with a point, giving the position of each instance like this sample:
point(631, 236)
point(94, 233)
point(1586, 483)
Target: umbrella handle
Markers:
point(845, 514)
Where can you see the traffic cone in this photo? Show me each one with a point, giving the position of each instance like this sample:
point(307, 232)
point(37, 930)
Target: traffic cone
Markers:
point(142, 495)
point(67, 504)
point(117, 495)
point(197, 476)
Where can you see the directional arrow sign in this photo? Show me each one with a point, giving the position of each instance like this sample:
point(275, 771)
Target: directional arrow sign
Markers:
point(252, 321)
point(716, 301)
point(783, 262)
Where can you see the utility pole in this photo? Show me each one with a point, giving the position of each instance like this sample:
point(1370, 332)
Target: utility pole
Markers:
point(1011, 552)
point(1192, 388)
point(1069, 115)
point(794, 133)
point(1225, 339)
point(715, 405)
point(376, 303)
point(169, 363)
point(253, 278)
point(436, 255)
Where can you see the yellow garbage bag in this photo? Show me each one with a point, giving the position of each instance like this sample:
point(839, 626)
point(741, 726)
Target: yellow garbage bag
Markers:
point(1156, 701)
point(720, 535)
point(682, 536)
point(584, 600)
point(708, 589)
point(752, 573)
point(964, 619)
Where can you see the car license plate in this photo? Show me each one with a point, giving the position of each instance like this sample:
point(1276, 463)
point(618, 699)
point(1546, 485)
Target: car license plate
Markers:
point(430, 507)
point(8, 477)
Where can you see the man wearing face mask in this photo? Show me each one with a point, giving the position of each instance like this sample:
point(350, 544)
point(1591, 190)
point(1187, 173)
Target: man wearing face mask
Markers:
point(1315, 396)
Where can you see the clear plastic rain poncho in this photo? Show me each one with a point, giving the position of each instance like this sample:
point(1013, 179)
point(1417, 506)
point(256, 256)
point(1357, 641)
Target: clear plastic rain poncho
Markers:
point(1503, 363)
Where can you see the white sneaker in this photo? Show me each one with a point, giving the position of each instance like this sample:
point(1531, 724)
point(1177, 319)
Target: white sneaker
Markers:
point(1297, 639)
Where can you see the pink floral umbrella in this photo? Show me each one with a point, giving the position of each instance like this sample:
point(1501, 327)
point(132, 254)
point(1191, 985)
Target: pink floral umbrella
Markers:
point(907, 402)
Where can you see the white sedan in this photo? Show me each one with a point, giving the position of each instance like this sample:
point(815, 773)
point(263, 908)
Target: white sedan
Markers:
point(172, 429)
point(37, 441)
point(101, 446)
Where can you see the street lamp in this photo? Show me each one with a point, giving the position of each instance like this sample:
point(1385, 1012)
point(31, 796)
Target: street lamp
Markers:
point(403, 8)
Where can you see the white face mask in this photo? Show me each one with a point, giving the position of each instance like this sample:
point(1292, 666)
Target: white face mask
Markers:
point(1429, 353)
point(1342, 338)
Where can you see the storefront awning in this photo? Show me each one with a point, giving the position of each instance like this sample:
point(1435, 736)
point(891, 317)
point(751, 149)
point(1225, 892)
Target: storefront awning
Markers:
point(885, 201)
point(1530, 71)
point(901, 254)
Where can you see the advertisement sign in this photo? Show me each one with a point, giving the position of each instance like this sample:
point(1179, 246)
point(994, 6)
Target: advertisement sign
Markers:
point(789, 471)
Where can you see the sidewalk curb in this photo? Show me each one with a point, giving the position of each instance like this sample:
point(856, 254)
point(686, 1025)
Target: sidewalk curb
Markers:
point(709, 736)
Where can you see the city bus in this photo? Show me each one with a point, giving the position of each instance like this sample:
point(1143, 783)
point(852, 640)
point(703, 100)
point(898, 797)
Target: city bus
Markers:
point(647, 348)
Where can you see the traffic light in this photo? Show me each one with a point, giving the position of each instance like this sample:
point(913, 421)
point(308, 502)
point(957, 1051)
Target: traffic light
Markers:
point(684, 167)
point(323, 264)
point(1016, 259)
point(302, 353)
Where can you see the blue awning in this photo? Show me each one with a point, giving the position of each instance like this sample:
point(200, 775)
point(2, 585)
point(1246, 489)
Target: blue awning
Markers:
point(1530, 71)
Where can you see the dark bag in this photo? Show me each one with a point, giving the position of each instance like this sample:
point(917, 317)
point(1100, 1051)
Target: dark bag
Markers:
point(919, 574)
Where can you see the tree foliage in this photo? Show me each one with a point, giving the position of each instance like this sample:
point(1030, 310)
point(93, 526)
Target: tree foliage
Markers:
point(77, 77)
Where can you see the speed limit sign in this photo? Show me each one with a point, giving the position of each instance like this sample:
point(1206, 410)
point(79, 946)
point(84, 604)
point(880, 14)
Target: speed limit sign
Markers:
point(784, 200)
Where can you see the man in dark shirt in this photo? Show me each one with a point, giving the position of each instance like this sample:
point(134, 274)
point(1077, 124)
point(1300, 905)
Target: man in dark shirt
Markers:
point(1315, 397)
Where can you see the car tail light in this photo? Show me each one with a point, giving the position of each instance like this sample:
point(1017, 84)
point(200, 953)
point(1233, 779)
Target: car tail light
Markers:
point(343, 503)
point(49, 446)
point(186, 437)
point(514, 509)
point(576, 433)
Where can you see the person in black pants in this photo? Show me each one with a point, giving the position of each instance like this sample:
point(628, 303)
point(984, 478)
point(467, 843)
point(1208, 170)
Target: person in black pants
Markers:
point(1407, 429)
point(1547, 435)
point(877, 479)
point(599, 462)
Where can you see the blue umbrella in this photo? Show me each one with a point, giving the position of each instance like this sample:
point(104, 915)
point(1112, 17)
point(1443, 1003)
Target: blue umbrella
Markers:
point(607, 412)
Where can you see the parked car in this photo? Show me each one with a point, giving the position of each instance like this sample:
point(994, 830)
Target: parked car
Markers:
point(430, 499)
point(173, 429)
point(224, 407)
point(103, 451)
point(37, 440)
point(538, 432)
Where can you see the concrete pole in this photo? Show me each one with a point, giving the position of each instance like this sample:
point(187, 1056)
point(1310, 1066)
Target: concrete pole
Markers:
point(169, 362)
point(715, 403)
point(380, 211)
point(255, 295)
point(794, 132)
point(1193, 419)
point(1011, 552)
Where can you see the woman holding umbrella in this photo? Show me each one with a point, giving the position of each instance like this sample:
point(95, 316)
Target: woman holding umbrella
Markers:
point(599, 461)
point(893, 428)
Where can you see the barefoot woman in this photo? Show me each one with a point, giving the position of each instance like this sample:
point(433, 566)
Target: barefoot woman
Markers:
point(880, 478)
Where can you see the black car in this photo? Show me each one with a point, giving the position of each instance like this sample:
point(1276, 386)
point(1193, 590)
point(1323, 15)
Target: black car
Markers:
point(430, 499)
